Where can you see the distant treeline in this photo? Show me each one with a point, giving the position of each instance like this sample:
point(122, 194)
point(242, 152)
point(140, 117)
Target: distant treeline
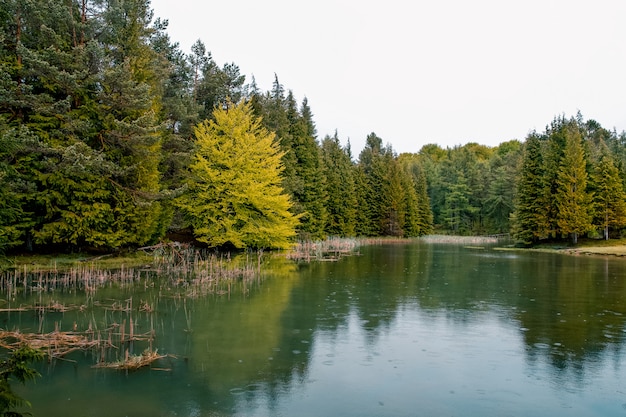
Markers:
point(565, 182)
point(112, 137)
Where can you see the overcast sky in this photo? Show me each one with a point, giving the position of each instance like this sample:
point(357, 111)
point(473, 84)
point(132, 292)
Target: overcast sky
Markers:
point(416, 72)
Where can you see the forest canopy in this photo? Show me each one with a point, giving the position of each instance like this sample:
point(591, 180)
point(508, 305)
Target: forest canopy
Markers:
point(112, 137)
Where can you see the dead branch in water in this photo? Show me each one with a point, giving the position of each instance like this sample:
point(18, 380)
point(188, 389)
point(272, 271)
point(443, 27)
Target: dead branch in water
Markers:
point(55, 344)
point(133, 362)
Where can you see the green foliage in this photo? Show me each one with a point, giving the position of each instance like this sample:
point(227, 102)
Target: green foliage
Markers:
point(16, 367)
point(504, 166)
point(572, 197)
point(530, 210)
point(419, 213)
point(569, 184)
point(424, 210)
point(609, 195)
point(308, 183)
point(234, 196)
point(458, 211)
point(97, 115)
point(341, 204)
point(387, 192)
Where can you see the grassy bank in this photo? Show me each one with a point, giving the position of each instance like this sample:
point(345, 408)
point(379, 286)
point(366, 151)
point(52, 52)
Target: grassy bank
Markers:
point(64, 262)
point(613, 247)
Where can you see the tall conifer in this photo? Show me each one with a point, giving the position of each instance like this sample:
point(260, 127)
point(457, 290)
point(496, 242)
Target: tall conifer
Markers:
point(609, 195)
point(572, 197)
point(341, 201)
point(530, 215)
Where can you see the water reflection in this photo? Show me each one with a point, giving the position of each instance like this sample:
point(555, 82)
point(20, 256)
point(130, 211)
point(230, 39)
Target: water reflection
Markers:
point(441, 329)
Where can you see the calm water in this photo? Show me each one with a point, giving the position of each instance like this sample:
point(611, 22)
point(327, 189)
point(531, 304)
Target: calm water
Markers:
point(402, 330)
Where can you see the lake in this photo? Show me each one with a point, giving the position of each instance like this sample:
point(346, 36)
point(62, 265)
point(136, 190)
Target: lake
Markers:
point(414, 329)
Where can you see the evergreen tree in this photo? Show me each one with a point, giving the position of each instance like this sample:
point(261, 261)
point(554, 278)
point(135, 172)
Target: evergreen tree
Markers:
point(235, 197)
point(372, 176)
point(425, 213)
point(458, 211)
point(394, 194)
point(554, 145)
point(432, 158)
point(14, 221)
point(309, 190)
point(572, 198)
point(499, 202)
point(412, 224)
point(84, 82)
point(530, 215)
point(364, 219)
point(419, 214)
point(609, 195)
point(341, 202)
point(389, 198)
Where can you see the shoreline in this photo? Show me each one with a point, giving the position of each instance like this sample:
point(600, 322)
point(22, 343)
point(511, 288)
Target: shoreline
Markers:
point(616, 251)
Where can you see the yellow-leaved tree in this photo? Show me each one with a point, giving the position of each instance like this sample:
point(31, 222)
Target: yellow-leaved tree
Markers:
point(234, 194)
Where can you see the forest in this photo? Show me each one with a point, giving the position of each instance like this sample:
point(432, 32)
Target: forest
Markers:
point(112, 137)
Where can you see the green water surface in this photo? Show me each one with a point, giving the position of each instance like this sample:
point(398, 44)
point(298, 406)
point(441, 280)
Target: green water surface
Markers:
point(400, 330)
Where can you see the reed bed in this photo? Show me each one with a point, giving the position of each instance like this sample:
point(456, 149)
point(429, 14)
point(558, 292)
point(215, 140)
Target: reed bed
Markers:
point(202, 272)
point(462, 240)
point(104, 345)
point(177, 270)
point(197, 272)
point(331, 249)
point(86, 278)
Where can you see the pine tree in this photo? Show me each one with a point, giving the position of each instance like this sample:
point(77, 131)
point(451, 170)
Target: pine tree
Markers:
point(178, 111)
point(499, 201)
point(365, 225)
point(14, 221)
point(609, 195)
point(389, 204)
point(530, 214)
point(373, 210)
point(553, 148)
point(83, 81)
point(458, 211)
point(572, 198)
point(412, 223)
point(432, 158)
point(341, 202)
point(309, 192)
point(235, 197)
point(419, 214)
point(129, 130)
point(394, 193)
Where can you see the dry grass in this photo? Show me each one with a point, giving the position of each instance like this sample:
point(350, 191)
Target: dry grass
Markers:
point(331, 249)
point(56, 344)
point(616, 250)
point(462, 240)
point(133, 362)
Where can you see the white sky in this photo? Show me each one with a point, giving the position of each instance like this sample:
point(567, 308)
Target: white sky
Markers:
point(417, 72)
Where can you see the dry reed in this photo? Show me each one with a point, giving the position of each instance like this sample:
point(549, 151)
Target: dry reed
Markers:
point(195, 271)
point(331, 249)
point(463, 240)
point(133, 362)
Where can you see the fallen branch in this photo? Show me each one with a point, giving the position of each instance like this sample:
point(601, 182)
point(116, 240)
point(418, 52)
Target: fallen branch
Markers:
point(133, 362)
